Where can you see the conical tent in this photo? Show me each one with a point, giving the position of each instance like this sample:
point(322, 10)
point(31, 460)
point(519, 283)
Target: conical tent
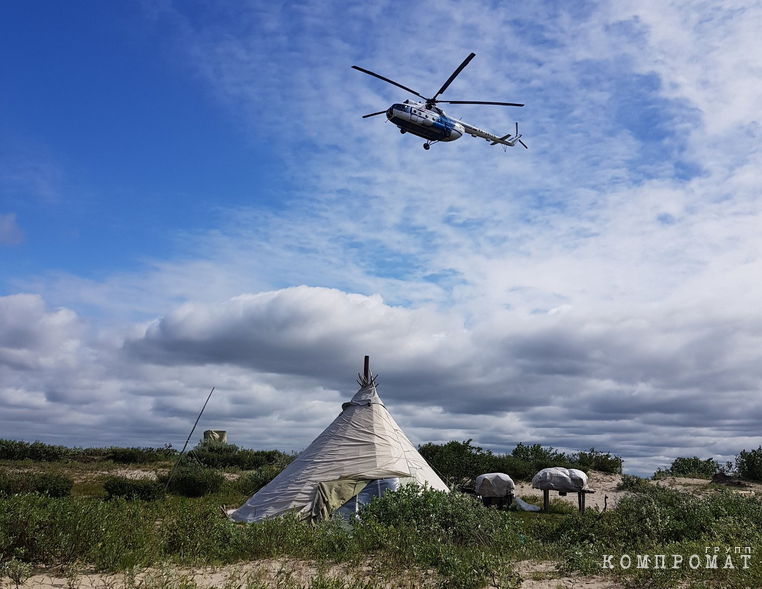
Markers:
point(362, 445)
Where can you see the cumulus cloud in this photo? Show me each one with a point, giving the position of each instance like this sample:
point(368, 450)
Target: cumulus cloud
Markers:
point(283, 361)
point(599, 289)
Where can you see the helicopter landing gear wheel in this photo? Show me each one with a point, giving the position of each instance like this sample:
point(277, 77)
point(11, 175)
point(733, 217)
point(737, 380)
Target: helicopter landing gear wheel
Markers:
point(427, 146)
point(402, 131)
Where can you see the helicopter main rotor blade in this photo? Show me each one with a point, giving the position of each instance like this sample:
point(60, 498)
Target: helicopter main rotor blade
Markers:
point(370, 73)
point(373, 114)
point(524, 144)
point(453, 76)
point(479, 102)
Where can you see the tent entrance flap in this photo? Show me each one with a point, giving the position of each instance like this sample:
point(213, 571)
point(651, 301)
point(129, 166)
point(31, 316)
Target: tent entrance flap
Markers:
point(375, 488)
point(330, 495)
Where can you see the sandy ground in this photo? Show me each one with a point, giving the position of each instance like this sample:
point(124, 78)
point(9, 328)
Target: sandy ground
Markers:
point(543, 575)
point(604, 486)
point(607, 495)
point(283, 572)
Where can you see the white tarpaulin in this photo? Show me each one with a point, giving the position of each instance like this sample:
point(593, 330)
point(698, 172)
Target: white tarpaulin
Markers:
point(524, 506)
point(494, 484)
point(363, 443)
point(560, 479)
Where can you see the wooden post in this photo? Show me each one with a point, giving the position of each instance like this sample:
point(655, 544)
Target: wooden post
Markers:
point(366, 371)
point(546, 500)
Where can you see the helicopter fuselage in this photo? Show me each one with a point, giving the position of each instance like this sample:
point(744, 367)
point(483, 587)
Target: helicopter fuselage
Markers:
point(431, 124)
point(434, 125)
point(425, 119)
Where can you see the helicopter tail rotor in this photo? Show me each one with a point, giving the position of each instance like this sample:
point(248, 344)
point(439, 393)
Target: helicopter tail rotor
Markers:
point(517, 138)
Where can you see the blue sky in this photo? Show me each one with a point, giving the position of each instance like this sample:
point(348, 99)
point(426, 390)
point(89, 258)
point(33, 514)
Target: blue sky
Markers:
point(190, 198)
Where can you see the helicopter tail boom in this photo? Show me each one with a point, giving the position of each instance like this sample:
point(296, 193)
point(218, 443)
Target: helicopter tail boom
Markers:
point(508, 140)
point(502, 140)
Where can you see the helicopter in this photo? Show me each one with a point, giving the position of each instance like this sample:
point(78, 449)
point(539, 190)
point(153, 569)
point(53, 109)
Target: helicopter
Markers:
point(425, 119)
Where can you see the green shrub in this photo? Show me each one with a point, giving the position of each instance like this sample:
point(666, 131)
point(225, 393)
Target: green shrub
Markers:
point(215, 454)
point(52, 485)
point(634, 484)
point(457, 462)
point(250, 483)
point(194, 533)
point(16, 570)
point(449, 532)
point(39, 452)
point(110, 535)
point(595, 460)
point(749, 464)
point(140, 455)
point(36, 451)
point(144, 489)
point(193, 481)
point(444, 517)
point(538, 456)
point(691, 468)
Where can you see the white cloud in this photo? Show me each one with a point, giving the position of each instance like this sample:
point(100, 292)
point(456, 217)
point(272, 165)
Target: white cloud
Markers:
point(10, 232)
point(282, 363)
point(597, 289)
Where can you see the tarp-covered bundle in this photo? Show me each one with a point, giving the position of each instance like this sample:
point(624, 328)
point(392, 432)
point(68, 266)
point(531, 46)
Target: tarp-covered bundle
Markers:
point(494, 484)
point(362, 453)
point(565, 480)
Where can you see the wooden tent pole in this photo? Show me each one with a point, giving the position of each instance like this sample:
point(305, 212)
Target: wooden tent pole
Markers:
point(366, 372)
point(172, 472)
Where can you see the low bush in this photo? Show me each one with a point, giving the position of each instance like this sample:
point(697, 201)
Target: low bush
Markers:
point(52, 485)
point(459, 463)
point(249, 483)
point(36, 451)
point(140, 455)
point(192, 481)
point(40, 452)
point(449, 532)
point(466, 545)
point(596, 460)
point(634, 484)
point(693, 467)
point(215, 454)
point(749, 464)
point(143, 489)
point(110, 535)
point(444, 517)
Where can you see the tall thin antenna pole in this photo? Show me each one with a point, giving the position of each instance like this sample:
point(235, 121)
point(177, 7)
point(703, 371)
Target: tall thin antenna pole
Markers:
point(188, 440)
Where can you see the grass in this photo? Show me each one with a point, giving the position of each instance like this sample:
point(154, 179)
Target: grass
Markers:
point(413, 537)
point(412, 533)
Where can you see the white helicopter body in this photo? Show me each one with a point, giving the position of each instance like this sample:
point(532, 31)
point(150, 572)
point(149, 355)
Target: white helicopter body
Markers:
point(425, 119)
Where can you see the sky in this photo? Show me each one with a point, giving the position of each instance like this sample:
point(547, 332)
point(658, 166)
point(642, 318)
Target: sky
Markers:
point(190, 198)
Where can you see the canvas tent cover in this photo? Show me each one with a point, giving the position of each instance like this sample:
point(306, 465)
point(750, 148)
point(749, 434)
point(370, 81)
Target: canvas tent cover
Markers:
point(560, 479)
point(363, 444)
point(494, 484)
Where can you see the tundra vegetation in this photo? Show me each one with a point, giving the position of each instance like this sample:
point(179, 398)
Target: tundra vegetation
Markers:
point(75, 510)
